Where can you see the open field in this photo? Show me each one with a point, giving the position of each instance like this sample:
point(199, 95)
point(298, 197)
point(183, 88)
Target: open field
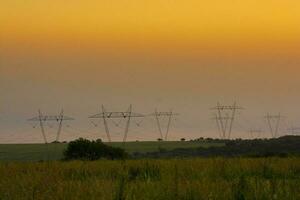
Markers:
point(36, 152)
point(211, 178)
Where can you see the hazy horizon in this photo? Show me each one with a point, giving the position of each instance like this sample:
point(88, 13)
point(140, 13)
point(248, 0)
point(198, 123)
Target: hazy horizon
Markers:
point(185, 56)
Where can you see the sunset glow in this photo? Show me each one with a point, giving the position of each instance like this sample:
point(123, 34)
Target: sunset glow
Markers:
point(170, 53)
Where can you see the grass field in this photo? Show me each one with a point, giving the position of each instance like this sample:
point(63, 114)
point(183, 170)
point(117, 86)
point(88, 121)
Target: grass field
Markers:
point(186, 179)
point(36, 152)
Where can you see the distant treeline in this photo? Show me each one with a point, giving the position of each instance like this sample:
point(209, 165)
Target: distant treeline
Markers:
point(281, 147)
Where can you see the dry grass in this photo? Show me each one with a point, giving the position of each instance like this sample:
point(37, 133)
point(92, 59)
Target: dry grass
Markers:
point(219, 178)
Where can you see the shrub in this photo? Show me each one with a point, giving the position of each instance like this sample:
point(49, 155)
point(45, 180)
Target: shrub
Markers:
point(83, 149)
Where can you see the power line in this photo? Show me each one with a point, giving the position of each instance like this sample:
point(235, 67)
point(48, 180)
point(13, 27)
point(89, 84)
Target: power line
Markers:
point(224, 117)
point(158, 115)
point(108, 115)
point(273, 122)
point(44, 118)
point(255, 133)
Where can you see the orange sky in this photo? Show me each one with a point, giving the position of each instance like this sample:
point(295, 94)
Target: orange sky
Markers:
point(149, 53)
point(216, 23)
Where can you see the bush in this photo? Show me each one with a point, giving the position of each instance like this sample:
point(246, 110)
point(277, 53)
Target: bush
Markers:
point(83, 149)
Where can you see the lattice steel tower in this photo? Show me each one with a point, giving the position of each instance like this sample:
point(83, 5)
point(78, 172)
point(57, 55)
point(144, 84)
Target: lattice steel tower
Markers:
point(224, 117)
point(127, 115)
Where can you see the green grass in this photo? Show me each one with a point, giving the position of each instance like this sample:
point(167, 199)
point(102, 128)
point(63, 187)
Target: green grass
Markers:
point(36, 152)
point(173, 179)
point(31, 152)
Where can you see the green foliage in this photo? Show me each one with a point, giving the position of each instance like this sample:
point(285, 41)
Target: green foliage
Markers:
point(120, 191)
point(146, 172)
point(172, 179)
point(276, 147)
point(83, 149)
point(36, 152)
point(240, 188)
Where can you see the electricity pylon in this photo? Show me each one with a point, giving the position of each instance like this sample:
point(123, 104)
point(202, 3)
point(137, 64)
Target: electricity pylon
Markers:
point(293, 130)
point(225, 117)
point(127, 115)
point(255, 133)
point(273, 122)
point(44, 118)
point(158, 115)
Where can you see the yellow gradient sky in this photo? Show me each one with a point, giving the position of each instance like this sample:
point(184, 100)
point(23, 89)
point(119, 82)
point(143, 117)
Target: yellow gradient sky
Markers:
point(154, 23)
point(167, 53)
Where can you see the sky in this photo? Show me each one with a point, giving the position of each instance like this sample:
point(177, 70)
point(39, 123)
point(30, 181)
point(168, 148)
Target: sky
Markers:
point(164, 54)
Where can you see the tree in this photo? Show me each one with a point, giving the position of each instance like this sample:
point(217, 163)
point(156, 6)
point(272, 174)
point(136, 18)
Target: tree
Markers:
point(182, 139)
point(83, 149)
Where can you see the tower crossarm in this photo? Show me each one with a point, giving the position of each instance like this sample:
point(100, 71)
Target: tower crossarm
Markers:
point(117, 115)
point(163, 114)
point(220, 107)
point(50, 118)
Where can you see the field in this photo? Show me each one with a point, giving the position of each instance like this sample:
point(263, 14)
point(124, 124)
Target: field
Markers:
point(219, 178)
point(36, 152)
point(186, 179)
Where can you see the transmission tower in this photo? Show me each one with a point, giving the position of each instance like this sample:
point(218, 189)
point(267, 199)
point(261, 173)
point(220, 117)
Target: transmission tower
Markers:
point(158, 115)
point(293, 130)
point(44, 118)
point(127, 115)
point(273, 122)
point(225, 116)
point(255, 133)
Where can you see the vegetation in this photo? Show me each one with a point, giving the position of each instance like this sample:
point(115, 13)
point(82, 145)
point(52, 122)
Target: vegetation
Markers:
point(203, 147)
point(280, 147)
point(83, 149)
point(273, 174)
point(31, 152)
point(186, 179)
point(54, 151)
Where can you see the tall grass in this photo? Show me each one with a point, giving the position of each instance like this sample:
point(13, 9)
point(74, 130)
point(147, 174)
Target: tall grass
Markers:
point(186, 179)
